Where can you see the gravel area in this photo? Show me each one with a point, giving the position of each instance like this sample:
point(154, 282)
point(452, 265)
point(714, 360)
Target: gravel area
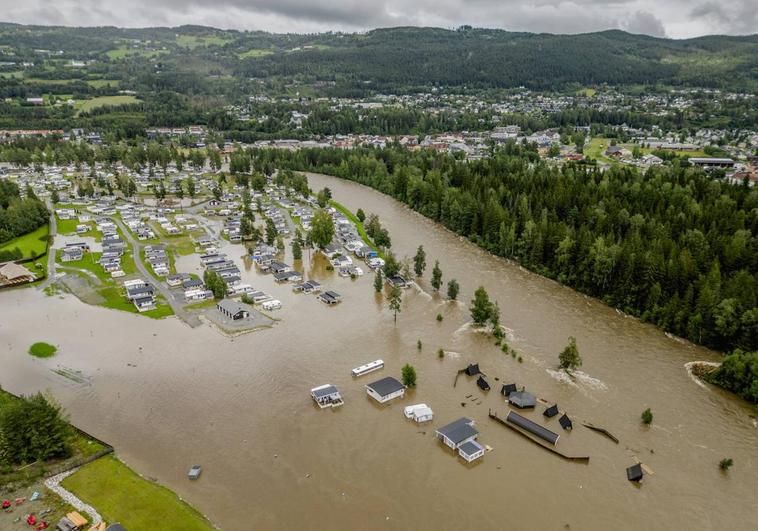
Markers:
point(54, 485)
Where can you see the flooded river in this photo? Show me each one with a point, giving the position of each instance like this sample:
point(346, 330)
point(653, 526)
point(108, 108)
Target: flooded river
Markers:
point(167, 397)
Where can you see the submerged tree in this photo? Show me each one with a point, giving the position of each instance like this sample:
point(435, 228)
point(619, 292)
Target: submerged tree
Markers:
point(452, 289)
point(436, 276)
point(395, 299)
point(647, 417)
point(297, 251)
point(322, 229)
point(569, 358)
point(419, 261)
point(409, 375)
point(481, 307)
point(378, 281)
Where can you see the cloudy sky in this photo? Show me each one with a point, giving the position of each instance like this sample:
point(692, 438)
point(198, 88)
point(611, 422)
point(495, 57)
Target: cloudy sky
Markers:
point(671, 18)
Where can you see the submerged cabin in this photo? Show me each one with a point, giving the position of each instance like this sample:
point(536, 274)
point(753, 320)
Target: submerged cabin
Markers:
point(385, 389)
point(522, 399)
point(471, 451)
point(327, 396)
point(461, 435)
point(472, 369)
point(532, 427)
point(482, 383)
point(551, 411)
point(419, 413)
point(508, 389)
point(565, 422)
point(634, 473)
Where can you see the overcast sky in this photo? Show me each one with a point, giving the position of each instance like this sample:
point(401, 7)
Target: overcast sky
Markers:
point(671, 18)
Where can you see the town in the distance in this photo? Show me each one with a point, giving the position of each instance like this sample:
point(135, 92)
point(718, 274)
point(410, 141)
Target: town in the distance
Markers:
point(407, 278)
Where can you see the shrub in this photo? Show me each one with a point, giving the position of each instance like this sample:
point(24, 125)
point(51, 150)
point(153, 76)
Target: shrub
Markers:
point(439, 317)
point(726, 463)
point(647, 417)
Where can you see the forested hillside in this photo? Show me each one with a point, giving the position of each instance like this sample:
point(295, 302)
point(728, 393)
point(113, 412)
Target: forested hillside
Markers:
point(670, 245)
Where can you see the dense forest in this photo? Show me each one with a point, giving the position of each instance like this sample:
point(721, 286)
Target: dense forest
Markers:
point(19, 215)
point(670, 245)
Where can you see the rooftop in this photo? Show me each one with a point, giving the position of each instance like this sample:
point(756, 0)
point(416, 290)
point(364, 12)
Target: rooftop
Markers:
point(386, 386)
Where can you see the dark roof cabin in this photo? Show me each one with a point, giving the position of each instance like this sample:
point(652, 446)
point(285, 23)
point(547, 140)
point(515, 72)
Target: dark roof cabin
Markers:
point(522, 399)
point(634, 473)
point(565, 422)
point(508, 389)
point(551, 411)
point(472, 369)
point(483, 385)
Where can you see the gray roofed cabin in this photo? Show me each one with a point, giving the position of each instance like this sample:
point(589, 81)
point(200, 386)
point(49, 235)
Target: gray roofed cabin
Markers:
point(330, 297)
point(457, 432)
point(327, 396)
point(385, 389)
point(233, 310)
point(522, 399)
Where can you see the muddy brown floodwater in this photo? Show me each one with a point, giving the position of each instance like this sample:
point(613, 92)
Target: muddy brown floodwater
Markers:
point(167, 397)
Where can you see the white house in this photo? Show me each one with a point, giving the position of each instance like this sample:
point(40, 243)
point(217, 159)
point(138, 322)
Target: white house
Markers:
point(461, 435)
point(419, 413)
point(385, 389)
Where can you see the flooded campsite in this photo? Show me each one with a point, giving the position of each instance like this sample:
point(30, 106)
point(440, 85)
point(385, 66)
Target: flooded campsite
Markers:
point(189, 388)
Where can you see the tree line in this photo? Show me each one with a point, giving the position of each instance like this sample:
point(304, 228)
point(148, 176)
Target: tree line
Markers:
point(669, 245)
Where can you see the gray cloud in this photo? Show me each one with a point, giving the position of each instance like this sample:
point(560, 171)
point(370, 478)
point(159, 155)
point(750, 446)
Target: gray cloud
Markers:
point(645, 23)
point(675, 18)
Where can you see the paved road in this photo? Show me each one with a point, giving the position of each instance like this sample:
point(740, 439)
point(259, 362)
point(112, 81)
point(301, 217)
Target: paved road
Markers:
point(189, 318)
point(51, 257)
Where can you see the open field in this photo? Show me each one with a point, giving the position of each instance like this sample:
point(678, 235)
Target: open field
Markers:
point(193, 41)
point(255, 53)
point(100, 83)
point(32, 244)
point(124, 51)
point(120, 495)
point(108, 100)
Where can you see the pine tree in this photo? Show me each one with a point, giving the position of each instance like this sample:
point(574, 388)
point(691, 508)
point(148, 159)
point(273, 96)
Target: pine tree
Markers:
point(436, 276)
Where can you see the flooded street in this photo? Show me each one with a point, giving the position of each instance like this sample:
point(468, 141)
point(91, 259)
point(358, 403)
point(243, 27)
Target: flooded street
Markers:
point(167, 396)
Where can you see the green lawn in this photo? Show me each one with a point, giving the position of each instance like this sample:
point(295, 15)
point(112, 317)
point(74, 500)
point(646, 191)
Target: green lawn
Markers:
point(255, 53)
point(124, 51)
point(102, 101)
point(34, 243)
point(193, 41)
point(100, 83)
point(43, 350)
point(358, 225)
point(120, 495)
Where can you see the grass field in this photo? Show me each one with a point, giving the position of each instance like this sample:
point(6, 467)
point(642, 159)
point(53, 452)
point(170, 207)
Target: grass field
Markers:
point(255, 53)
point(32, 244)
point(358, 225)
point(124, 51)
point(43, 350)
point(586, 92)
point(100, 83)
point(108, 100)
point(120, 495)
point(193, 41)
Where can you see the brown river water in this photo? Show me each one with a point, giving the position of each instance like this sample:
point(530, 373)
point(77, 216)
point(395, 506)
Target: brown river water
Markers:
point(167, 397)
